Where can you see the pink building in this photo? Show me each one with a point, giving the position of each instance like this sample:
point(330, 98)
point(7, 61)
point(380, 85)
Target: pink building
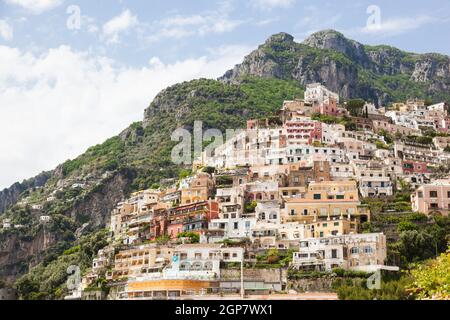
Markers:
point(414, 167)
point(328, 107)
point(303, 131)
point(444, 125)
point(432, 198)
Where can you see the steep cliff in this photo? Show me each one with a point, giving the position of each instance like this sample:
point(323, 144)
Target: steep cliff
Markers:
point(9, 196)
point(380, 73)
point(139, 157)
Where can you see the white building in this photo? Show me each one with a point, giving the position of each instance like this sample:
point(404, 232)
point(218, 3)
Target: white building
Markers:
point(317, 93)
point(7, 223)
point(231, 228)
point(201, 261)
point(268, 211)
point(44, 218)
point(363, 252)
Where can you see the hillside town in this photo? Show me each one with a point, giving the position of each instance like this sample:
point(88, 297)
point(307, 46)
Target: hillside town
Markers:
point(290, 187)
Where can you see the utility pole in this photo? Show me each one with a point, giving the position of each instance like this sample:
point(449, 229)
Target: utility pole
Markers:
point(242, 278)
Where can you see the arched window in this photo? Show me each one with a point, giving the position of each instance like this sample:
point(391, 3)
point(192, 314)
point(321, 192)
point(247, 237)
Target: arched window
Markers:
point(354, 250)
point(208, 266)
point(262, 216)
point(197, 266)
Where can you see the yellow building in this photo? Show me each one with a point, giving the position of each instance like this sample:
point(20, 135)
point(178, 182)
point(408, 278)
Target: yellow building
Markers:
point(332, 227)
point(199, 189)
point(326, 200)
point(167, 288)
point(140, 260)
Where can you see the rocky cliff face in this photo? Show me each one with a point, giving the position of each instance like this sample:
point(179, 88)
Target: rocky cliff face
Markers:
point(9, 196)
point(136, 159)
point(380, 73)
point(21, 249)
point(140, 156)
point(19, 254)
point(97, 206)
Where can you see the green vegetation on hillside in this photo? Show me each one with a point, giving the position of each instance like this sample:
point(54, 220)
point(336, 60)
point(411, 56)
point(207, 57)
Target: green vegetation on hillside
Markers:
point(143, 150)
point(48, 279)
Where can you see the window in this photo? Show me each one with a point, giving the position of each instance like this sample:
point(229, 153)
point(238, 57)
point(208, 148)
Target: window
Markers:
point(354, 250)
point(433, 194)
point(317, 196)
point(334, 254)
point(340, 197)
point(236, 225)
point(368, 249)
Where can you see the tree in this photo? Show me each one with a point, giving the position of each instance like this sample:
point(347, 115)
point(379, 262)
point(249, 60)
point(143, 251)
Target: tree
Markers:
point(432, 279)
point(415, 245)
point(406, 226)
point(192, 236)
point(355, 107)
point(387, 136)
point(250, 207)
point(163, 240)
point(209, 170)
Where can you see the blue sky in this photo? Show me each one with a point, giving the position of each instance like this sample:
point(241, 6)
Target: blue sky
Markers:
point(64, 88)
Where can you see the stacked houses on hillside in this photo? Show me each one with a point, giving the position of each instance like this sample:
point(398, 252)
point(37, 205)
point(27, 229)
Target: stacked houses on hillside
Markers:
point(290, 183)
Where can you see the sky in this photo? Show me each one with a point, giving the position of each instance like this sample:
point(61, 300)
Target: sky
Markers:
point(74, 73)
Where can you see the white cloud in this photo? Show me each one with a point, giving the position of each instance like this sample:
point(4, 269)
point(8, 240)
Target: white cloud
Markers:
point(201, 25)
point(36, 6)
point(119, 24)
point(271, 4)
point(314, 19)
point(54, 106)
point(6, 31)
point(216, 21)
point(265, 22)
point(395, 26)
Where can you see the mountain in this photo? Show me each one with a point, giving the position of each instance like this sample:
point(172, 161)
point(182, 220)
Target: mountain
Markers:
point(138, 158)
point(10, 195)
point(382, 74)
point(79, 194)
